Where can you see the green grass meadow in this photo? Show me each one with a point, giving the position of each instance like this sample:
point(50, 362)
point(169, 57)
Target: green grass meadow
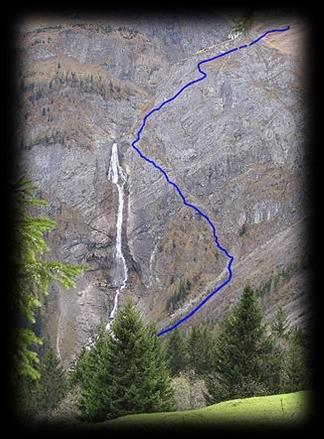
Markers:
point(284, 409)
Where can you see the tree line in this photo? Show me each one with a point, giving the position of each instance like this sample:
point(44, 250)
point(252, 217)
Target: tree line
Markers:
point(247, 357)
point(129, 369)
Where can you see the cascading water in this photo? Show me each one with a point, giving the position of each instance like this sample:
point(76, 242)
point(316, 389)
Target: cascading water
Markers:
point(118, 177)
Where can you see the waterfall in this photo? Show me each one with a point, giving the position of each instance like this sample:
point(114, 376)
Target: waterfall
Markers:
point(118, 177)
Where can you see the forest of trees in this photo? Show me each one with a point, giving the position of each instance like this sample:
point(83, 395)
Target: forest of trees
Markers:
point(129, 369)
point(246, 358)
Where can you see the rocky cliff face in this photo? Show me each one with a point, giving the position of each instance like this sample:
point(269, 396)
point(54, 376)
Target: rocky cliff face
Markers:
point(234, 143)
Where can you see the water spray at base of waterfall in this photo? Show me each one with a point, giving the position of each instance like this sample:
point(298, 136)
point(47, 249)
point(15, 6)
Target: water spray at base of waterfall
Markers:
point(118, 177)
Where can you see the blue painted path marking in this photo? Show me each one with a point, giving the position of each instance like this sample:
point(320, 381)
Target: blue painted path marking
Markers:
point(176, 187)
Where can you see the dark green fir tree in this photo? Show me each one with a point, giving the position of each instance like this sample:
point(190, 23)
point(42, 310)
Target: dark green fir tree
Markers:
point(296, 365)
point(53, 383)
point(279, 326)
point(244, 356)
point(200, 347)
point(177, 352)
point(39, 397)
point(125, 372)
point(34, 272)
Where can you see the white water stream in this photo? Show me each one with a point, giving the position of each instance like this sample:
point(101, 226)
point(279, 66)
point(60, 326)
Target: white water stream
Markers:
point(118, 177)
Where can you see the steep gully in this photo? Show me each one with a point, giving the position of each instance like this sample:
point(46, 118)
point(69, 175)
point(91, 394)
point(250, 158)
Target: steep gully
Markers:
point(118, 177)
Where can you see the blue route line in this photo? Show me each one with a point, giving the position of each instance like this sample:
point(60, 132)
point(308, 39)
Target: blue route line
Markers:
point(176, 187)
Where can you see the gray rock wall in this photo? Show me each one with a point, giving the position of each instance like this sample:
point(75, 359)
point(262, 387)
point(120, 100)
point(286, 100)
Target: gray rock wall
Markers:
point(234, 143)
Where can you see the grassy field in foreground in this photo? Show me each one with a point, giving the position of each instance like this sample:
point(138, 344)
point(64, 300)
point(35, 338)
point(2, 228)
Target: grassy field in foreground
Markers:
point(285, 408)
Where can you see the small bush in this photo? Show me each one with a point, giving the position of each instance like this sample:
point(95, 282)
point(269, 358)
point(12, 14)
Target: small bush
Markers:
point(189, 391)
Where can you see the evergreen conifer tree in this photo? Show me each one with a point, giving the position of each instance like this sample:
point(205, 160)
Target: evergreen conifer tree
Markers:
point(53, 384)
point(200, 345)
point(177, 352)
point(243, 359)
point(279, 331)
point(295, 374)
point(33, 275)
point(125, 372)
point(90, 375)
point(39, 397)
point(279, 325)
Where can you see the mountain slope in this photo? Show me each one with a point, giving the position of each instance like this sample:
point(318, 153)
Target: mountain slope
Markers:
point(235, 144)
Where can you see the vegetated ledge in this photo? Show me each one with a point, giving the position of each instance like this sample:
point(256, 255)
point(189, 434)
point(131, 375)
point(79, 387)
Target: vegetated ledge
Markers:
point(60, 72)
